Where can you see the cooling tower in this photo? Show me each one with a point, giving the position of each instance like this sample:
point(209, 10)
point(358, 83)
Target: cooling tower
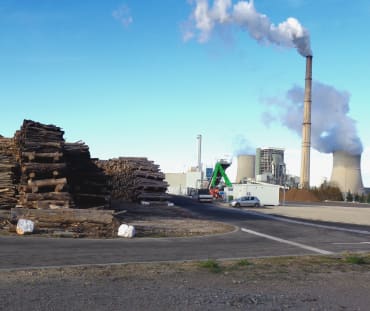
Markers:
point(346, 172)
point(306, 127)
point(245, 169)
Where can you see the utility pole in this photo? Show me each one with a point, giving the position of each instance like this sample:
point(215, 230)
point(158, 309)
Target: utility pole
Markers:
point(199, 137)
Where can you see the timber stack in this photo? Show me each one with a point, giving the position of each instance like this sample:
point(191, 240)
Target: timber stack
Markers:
point(87, 183)
point(43, 180)
point(69, 222)
point(8, 173)
point(134, 179)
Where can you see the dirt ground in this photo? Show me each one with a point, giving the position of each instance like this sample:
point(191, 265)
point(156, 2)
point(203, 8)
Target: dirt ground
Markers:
point(298, 195)
point(155, 220)
point(160, 220)
point(285, 283)
point(333, 214)
point(290, 283)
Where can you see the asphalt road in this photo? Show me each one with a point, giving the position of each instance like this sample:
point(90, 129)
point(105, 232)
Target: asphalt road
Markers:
point(256, 236)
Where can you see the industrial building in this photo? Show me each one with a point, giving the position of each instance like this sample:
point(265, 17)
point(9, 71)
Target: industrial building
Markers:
point(346, 173)
point(183, 183)
point(270, 166)
point(180, 183)
point(268, 194)
point(246, 168)
point(267, 166)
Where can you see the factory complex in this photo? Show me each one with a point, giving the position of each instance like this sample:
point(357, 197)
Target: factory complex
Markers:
point(263, 174)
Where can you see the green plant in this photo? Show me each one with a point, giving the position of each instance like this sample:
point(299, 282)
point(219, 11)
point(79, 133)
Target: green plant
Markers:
point(349, 197)
point(243, 263)
point(212, 265)
point(328, 192)
point(357, 197)
point(362, 198)
point(354, 259)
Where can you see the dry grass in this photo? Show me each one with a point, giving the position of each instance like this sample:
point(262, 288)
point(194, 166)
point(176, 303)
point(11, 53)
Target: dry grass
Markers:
point(261, 268)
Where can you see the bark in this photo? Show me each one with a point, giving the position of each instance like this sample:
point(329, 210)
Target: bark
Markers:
point(130, 178)
point(64, 215)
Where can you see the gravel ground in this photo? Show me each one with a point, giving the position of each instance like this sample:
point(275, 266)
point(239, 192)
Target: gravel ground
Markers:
point(157, 220)
point(303, 283)
point(167, 221)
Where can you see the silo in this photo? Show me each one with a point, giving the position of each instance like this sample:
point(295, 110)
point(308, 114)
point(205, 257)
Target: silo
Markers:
point(246, 166)
point(346, 172)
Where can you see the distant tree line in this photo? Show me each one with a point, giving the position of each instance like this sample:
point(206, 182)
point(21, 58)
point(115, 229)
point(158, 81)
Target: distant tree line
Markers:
point(332, 193)
point(327, 192)
point(362, 198)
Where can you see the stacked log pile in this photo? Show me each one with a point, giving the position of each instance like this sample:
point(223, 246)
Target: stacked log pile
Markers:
point(43, 182)
point(69, 222)
point(42, 177)
point(8, 176)
point(87, 183)
point(134, 179)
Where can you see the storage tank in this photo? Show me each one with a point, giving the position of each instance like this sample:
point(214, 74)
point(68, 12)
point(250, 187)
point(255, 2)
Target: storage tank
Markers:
point(246, 166)
point(346, 172)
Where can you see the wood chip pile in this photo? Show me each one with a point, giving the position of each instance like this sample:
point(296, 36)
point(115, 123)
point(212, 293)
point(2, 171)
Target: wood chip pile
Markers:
point(43, 180)
point(135, 179)
point(8, 176)
point(88, 184)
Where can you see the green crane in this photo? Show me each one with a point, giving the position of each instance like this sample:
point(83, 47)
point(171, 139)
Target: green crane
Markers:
point(218, 174)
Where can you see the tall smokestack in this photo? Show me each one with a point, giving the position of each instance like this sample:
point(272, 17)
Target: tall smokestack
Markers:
point(199, 137)
point(306, 128)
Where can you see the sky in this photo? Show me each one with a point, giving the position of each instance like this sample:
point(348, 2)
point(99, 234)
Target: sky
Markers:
point(144, 78)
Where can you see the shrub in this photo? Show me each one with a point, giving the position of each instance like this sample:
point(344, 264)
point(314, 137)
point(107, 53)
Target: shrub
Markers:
point(243, 263)
point(211, 264)
point(328, 192)
point(349, 196)
point(354, 259)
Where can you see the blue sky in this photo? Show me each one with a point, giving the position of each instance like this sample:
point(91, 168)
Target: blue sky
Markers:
point(120, 76)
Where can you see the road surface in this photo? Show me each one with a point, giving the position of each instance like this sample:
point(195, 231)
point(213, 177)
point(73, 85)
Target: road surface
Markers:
point(254, 236)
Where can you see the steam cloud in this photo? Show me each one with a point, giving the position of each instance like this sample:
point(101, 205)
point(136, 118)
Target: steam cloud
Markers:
point(331, 130)
point(123, 15)
point(242, 146)
point(205, 18)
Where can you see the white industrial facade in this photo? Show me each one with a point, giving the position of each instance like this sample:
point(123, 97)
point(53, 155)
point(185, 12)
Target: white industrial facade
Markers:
point(179, 183)
point(268, 194)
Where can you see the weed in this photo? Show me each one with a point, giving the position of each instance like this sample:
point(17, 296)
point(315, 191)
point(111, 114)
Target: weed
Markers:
point(212, 265)
point(354, 259)
point(243, 263)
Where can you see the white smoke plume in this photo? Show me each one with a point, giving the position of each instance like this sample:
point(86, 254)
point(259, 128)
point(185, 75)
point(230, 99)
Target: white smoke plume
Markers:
point(242, 146)
point(123, 15)
point(331, 129)
point(205, 18)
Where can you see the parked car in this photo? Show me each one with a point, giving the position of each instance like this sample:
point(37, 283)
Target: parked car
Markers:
point(246, 201)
